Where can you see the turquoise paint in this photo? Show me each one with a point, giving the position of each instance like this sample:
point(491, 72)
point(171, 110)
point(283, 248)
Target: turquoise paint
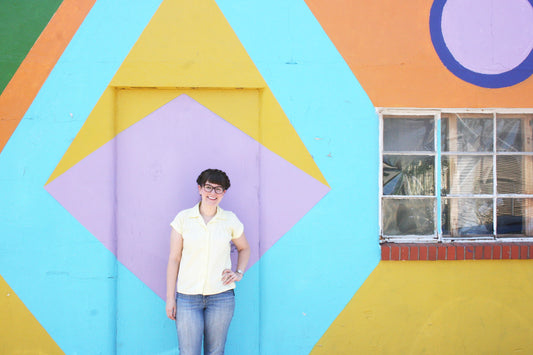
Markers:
point(64, 276)
point(244, 332)
point(309, 276)
point(142, 323)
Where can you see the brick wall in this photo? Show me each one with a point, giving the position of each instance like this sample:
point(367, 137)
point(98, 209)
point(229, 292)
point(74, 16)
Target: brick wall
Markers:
point(456, 251)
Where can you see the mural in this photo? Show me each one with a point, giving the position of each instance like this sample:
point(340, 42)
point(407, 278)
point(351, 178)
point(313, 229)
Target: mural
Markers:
point(117, 107)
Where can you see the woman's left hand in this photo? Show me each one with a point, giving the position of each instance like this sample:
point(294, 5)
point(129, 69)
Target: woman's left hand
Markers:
point(229, 276)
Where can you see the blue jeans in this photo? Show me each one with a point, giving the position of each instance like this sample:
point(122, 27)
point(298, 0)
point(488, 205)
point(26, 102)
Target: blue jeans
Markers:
point(200, 316)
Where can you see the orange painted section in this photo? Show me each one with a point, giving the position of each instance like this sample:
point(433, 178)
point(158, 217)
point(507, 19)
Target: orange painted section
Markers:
point(388, 47)
point(34, 70)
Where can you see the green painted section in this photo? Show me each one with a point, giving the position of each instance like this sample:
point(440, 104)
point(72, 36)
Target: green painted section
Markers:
point(21, 23)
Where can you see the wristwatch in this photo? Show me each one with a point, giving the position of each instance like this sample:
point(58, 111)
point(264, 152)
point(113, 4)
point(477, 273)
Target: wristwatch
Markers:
point(239, 271)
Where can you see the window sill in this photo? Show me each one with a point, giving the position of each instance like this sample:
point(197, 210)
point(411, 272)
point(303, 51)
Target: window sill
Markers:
point(456, 251)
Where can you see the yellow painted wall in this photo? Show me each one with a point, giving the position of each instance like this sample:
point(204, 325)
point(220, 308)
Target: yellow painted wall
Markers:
point(438, 307)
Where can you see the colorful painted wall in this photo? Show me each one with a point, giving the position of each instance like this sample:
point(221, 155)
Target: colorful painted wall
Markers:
point(110, 109)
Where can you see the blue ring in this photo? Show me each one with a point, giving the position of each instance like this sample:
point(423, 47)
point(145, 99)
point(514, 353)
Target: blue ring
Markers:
point(493, 81)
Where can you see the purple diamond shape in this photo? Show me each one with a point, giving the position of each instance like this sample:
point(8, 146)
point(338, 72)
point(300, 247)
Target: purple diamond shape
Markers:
point(128, 191)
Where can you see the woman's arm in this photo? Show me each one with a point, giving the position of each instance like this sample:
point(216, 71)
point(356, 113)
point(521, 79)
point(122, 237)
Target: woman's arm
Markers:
point(243, 249)
point(174, 258)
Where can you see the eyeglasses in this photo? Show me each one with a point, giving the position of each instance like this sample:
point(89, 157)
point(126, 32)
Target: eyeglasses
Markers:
point(217, 189)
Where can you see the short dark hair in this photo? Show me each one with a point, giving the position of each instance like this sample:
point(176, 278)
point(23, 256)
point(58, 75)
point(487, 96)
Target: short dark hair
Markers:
point(215, 176)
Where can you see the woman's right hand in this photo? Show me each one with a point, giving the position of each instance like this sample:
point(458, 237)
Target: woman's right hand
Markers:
point(171, 308)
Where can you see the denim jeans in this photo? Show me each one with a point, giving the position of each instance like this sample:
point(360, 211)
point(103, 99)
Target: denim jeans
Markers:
point(200, 316)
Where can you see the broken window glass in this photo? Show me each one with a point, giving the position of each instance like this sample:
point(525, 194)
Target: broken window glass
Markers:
point(467, 134)
point(509, 135)
point(462, 217)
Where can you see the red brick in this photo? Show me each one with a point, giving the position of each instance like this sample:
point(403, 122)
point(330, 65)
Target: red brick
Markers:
point(469, 252)
point(478, 252)
point(487, 251)
point(413, 252)
point(423, 252)
point(506, 251)
point(497, 252)
point(460, 252)
point(385, 252)
point(404, 253)
point(432, 252)
point(441, 252)
point(523, 251)
point(451, 254)
point(395, 252)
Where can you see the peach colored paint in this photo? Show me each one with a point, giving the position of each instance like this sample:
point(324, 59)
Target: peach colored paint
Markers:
point(388, 47)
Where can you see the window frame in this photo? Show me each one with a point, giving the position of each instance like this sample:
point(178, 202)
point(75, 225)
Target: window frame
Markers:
point(437, 114)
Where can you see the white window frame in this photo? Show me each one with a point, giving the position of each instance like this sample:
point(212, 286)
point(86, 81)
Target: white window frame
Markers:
point(437, 113)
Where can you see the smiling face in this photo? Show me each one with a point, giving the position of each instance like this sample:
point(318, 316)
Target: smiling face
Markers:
point(211, 198)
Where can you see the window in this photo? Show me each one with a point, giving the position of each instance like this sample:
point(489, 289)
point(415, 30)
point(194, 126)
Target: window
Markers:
point(456, 175)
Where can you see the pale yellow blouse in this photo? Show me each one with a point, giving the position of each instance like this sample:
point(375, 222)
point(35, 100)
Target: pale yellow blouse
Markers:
point(206, 250)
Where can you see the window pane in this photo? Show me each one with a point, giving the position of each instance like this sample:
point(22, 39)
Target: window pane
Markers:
point(467, 134)
point(511, 174)
point(408, 175)
point(408, 217)
point(515, 216)
point(463, 217)
point(466, 175)
point(408, 134)
point(515, 133)
point(509, 133)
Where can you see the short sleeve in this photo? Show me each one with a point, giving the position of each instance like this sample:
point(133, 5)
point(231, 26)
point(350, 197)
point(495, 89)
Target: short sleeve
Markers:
point(177, 223)
point(237, 227)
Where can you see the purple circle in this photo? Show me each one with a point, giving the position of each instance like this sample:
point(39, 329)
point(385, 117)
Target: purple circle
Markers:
point(488, 37)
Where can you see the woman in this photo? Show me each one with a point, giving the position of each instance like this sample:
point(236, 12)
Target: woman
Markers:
point(199, 263)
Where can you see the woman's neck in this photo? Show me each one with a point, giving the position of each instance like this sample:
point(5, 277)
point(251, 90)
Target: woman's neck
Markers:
point(207, 211)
